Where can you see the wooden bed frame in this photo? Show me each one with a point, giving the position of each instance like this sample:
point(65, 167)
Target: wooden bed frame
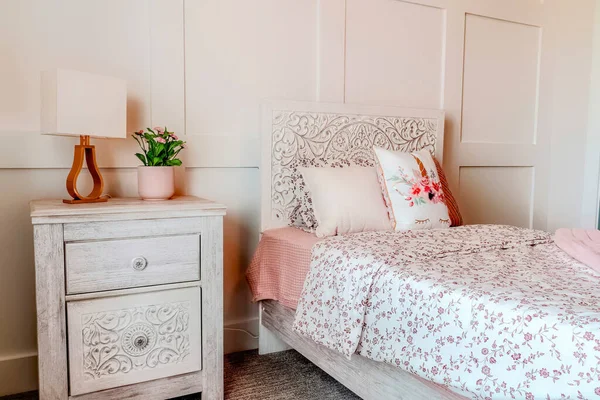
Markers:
point(319, 134)
point(367, 378)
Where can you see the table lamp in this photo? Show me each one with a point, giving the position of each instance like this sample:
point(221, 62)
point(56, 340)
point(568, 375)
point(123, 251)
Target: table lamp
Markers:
point(86, 105)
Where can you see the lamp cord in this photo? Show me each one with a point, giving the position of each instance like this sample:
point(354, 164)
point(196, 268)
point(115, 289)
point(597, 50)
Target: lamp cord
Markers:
point(243, 331)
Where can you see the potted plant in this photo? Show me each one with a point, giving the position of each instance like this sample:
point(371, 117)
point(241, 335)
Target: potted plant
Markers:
point(160, 148)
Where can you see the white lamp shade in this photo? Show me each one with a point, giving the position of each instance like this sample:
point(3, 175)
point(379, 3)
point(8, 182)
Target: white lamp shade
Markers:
point(79, 103)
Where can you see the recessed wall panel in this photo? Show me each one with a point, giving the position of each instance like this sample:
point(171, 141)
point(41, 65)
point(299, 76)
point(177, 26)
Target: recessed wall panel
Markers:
point(496, 195)
point(500, 83)
point(394, 53)
point(241, 228)
point(240, 52)
point(109, 37)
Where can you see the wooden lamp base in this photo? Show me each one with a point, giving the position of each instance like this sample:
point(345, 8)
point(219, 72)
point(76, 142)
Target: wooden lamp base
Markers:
point(87, 151)
point(80, 201)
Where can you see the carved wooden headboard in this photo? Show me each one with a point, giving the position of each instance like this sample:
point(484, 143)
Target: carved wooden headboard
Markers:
point(323, 134)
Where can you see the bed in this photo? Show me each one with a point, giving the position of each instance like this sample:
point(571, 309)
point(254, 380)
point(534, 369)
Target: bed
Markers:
point(276, 277)
point(422, 276)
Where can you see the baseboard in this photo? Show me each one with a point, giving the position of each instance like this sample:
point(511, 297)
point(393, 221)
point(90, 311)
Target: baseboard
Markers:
point(19, 373)
point(238, 340)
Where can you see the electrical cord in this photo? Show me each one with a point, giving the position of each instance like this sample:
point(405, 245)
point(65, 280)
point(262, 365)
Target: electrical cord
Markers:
point(242, 330)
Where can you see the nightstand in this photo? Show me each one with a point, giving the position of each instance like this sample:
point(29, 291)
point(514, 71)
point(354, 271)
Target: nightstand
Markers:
point(129, 298)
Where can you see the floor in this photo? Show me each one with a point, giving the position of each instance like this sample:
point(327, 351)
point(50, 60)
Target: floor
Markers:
point(279, 376)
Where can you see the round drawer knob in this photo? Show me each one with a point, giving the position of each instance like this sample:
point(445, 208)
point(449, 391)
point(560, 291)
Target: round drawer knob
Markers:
point(139, 263)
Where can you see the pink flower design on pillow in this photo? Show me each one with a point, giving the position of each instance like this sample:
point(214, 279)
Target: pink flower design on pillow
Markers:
point(418, 189)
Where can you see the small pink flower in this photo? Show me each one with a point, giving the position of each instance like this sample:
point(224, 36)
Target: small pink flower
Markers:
point(597, 391)
point(516, 356)
point(529, 396)
point(484, 351)
point(589, 336)
point(161, 140)
point(159, 129)
point(528, 337)
point(528, 318)
point(411, 204)
point(174, 136)
point(140, 132)
point(486, 370)
point(544, 372)
point(492, 360)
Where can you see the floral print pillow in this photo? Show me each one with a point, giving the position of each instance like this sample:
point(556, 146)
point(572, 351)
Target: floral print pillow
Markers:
point(412, 190)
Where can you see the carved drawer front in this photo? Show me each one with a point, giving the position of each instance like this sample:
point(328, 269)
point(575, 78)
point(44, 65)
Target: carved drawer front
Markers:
point(114, 264)
point(119, 341)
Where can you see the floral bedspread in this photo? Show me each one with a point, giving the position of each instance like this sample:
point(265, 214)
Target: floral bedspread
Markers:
point(488, 311)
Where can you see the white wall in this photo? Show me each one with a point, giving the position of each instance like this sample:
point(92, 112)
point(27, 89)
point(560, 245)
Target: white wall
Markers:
point(512, 75)
point(590, 206)
point(573, 38)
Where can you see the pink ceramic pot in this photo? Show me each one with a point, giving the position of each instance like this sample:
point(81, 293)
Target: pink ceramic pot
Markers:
point(156, 183)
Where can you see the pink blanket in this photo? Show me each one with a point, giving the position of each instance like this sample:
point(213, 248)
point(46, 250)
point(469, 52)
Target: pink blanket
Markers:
point(581, 244)
point(280, 265)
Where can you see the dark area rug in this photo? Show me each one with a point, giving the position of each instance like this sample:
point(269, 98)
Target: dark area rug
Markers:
point(278, 376)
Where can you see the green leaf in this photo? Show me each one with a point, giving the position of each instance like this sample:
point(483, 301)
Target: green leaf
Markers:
point(175, 162)
point(142, 158)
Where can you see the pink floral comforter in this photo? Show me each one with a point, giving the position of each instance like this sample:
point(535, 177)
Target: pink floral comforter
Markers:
point(489, 311)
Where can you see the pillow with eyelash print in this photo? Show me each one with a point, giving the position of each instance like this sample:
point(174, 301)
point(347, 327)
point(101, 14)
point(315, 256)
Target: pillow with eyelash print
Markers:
point(412, 189)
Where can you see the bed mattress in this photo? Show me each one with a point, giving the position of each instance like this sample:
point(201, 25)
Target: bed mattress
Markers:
point(280, 265)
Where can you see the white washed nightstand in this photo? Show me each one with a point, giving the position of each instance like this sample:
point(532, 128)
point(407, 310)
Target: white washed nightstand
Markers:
point(129, 298)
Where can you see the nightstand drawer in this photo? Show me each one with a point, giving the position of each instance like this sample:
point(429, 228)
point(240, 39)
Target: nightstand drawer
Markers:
point(125, 263)
point(123, 340)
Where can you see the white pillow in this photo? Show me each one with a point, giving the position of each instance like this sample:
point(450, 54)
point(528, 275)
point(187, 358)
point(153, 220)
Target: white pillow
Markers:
point(346, 200)
point(412, 188)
